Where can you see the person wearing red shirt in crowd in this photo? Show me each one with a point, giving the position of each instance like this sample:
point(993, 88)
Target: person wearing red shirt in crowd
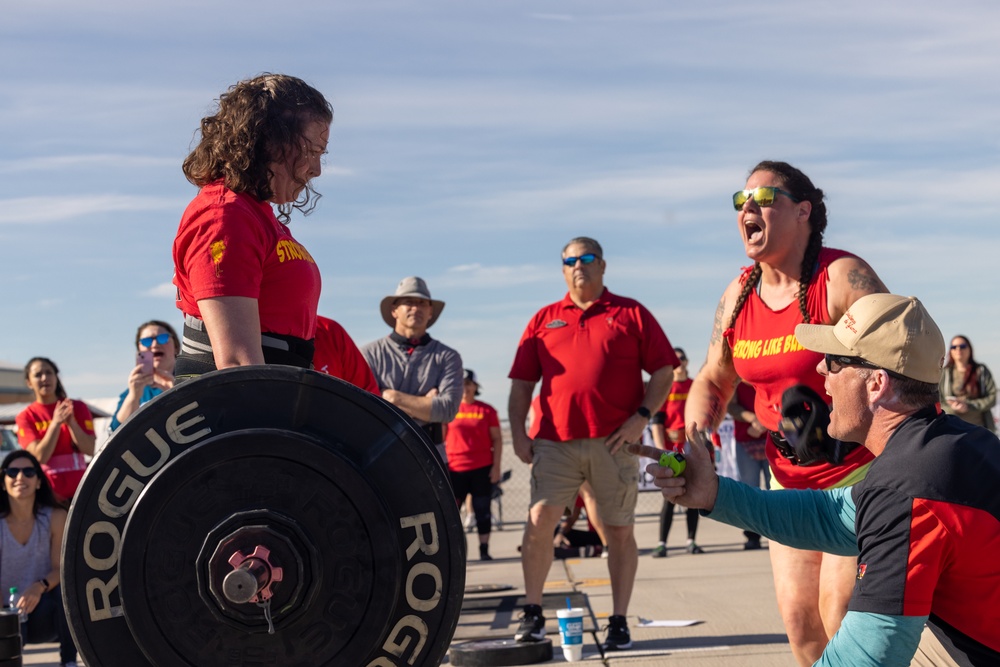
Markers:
point(57, 430)
point(667, 429)
point(337, 355)
point(781, 217)
point(474, 444)
point(750, 437)
point(589, 350)
point(248, 290)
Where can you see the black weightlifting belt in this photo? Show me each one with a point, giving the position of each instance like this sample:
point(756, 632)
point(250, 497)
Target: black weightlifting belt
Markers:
point(196, 356)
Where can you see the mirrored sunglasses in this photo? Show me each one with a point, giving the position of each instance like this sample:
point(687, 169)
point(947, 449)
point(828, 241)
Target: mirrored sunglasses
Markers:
point(583, 259)
point(959, 346)
point(159, 338)
point(763, 196)
point(12, 472)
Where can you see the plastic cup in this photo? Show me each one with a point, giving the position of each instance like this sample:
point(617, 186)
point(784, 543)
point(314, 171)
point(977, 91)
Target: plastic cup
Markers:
point(571, 633)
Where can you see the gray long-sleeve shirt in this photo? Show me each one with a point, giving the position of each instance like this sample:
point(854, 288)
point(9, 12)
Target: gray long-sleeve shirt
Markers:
point(426, 367)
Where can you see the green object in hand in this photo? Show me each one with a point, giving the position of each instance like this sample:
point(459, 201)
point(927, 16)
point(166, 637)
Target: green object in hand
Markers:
point(673, 461)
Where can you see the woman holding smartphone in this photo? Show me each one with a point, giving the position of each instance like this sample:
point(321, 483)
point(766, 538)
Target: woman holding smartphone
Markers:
point(56, 430)
point(32, 523)
point(157, 346)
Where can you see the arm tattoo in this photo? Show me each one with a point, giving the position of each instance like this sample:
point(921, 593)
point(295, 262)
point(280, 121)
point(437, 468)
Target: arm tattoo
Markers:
point(717, 325)
point(863, 281)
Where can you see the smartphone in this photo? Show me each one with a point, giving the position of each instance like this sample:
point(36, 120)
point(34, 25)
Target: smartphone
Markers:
point(145, 359)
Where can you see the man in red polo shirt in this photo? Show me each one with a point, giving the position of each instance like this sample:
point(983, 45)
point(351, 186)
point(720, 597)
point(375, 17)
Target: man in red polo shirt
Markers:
point(589, 350)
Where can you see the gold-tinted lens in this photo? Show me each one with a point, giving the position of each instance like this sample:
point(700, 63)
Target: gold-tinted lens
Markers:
point(740, 198)
point(764, 196)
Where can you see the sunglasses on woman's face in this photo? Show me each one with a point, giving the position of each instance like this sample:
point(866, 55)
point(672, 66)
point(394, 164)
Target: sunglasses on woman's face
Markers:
point(763, 196)
point(959, 346)
point(12, 472)
point(159, 338)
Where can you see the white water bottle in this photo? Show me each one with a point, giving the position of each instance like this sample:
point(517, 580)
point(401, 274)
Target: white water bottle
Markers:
point(13, 600)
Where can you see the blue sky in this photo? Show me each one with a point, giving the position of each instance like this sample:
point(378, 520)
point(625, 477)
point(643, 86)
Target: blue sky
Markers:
point(471, 140)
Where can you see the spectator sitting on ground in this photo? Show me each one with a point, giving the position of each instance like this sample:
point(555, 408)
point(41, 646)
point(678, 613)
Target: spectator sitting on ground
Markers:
point(31, 535)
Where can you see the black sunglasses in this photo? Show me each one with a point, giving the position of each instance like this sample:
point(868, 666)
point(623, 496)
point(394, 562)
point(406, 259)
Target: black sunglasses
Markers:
point(159, 338)
point(836, 362)
point(12, 472)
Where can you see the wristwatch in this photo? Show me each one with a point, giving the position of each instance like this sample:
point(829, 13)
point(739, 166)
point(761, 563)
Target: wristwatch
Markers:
point(643, 411)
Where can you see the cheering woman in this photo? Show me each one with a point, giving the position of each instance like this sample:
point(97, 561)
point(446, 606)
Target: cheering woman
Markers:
point(781, 218)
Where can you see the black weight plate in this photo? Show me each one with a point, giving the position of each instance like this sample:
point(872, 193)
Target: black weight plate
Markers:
point(10, 623)
point(10, 647)
point(363, 443)
point(499, 653)
point(346, 531)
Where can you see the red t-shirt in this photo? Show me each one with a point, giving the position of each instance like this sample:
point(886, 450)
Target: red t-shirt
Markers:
point(66, 466)
point(767, 355)
point(230, 244)
point(590, 363)
point(337, 355)
point(468, 443)
point(674, 411)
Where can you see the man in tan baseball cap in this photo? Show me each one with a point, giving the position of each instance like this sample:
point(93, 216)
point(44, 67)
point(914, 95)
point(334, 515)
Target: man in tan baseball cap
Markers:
point(924, 522)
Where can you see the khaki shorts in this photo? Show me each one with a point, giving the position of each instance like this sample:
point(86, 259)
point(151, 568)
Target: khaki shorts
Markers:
point(559, 468)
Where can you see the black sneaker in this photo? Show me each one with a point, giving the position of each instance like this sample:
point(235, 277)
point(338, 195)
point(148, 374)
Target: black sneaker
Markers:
point(484, 552)
point(532, 628)
point(751, 545)
point(618, 637)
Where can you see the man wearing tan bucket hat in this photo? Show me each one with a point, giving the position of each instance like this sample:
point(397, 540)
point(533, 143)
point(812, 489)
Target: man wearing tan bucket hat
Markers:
point(418, 374)
point(924, 523)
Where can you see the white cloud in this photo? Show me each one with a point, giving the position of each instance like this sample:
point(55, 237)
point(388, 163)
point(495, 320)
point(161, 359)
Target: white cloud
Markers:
point(34, 210)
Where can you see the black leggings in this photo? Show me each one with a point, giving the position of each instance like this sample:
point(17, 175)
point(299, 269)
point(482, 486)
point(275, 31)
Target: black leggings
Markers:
point(477, 484)
point(667, 519)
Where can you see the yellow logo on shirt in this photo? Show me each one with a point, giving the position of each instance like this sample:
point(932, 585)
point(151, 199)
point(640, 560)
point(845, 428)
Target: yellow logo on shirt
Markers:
point(470, 415)
point(289, 250)
point(754, 349)
point(218, 249)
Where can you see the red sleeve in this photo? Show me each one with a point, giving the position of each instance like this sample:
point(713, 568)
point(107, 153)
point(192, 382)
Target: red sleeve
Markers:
point(339, 356)
point(221, 248)
point(83, 417)
point(491, 417)
point(527, 366)
point(657, 351)
point(26, 431)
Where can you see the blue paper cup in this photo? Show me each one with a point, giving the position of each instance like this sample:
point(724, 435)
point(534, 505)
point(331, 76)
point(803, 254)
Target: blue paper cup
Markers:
point(571, 633)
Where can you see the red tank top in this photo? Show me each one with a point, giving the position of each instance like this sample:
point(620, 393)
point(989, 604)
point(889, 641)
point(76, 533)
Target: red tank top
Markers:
point(767, 355)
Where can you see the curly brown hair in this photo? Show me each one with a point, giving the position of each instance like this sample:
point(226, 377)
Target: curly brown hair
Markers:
point(258, 121)
point(802, 189)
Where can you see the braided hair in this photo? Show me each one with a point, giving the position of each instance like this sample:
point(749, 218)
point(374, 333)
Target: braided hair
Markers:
point(802, 189)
